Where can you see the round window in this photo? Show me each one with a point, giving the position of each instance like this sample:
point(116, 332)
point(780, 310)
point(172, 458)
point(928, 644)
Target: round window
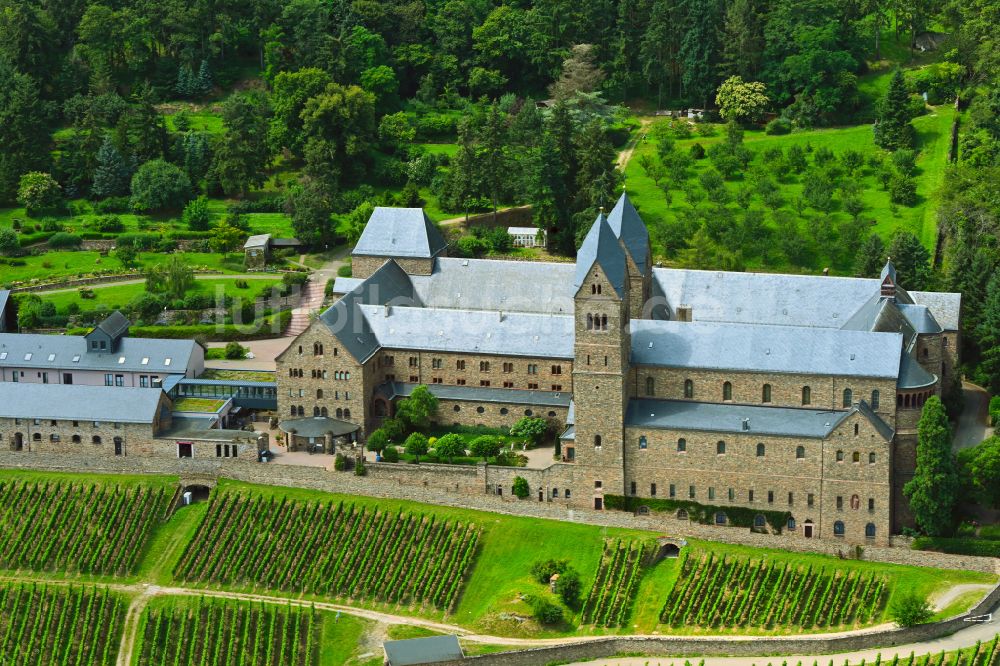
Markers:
point(527, 412)
point(503, 410)
point(480, 410)
point(552, 414)
point(457, 408)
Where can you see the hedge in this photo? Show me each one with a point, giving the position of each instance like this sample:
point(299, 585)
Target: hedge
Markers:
point(959, 546)
point(208, 332)
point(736, 516)
point(995, 410)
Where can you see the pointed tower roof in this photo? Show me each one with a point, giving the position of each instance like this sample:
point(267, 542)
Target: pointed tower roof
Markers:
point(631, 230)
point(888, 276)
point(601, 247)
point(889, 271)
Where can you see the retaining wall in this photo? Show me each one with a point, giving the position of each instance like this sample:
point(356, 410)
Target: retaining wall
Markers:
point(465, 486)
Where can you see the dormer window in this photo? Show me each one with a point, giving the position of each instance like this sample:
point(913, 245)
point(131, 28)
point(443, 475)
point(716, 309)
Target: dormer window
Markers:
point(166, 361)
point(52, 357)
point(27, 357)
point(76, 358)
point(144, 361)
point(3, 356)
point(121, 360)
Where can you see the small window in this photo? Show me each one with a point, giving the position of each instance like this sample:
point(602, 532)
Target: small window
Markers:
point(480, 409)
point(840, 456)
point(770, 497)
point(760, 450)
point(727, 391)
point(555, 492)
point(759, 520)
point(672, 490)
point(682, 445)
point(711, 493)
point(688, 389)
point(800, 452)
point(642, 442)
point(848, 398)
point(871, 458)
point(457, 408)
point(791, 523)
point(732, 495)
point(856, 457)
point(597, 484)
point(871, 503)
point(597, 441)
point(840, 502)
point(806, 395)
point(632, 488)
point(720, 447)
point(838, 528)
point(652, 489)
point(766, 393)
point(870, 530)
point(650, 386)
point(720, 518)
point(810, 499)
point(857, 429)
point(504, 411)
point(691, 492)
point(875, 398)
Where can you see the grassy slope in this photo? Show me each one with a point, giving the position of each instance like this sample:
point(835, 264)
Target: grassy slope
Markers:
point(70, 265)
point(932, 129)
point(119, 295)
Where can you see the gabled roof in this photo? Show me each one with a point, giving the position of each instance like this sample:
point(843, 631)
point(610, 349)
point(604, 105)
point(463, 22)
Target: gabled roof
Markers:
point(78, 402)
point(430, 650)
point(400, 232)
point(69, 352)
point(888, 271)
point(601, 248)
point(779, 349)
point(945, 306)
point(883, 428)
point(882, 315)
point(493, 284)
point(260, 240)
point(115, 325)
point(729, 418)
point(628, 227)
point(920, 317)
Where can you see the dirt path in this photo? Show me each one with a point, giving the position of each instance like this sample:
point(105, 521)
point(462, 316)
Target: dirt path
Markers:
point(973, 425)
point(941, 600)
point(130, 633)
point(461, 220)
point(626, 154)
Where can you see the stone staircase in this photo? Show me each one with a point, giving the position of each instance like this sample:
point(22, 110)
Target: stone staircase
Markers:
point(312, 301)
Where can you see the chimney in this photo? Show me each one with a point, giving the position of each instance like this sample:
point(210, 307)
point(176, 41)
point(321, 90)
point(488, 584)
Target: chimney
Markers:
point(388, 310)
point(746, 424)
point(500, 315)
point(683, 313)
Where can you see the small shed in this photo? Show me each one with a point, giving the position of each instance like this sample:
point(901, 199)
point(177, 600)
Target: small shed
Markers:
point(257, 250)
point(527, 236)
point(430, 650)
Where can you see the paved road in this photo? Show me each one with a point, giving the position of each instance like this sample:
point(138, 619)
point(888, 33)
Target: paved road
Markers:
point(973, 423)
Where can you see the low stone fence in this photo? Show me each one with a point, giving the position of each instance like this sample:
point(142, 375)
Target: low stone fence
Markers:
point(758, 646)
point(466, 486)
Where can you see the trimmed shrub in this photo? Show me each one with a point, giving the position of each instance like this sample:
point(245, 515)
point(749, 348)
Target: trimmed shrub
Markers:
point(958, 546)
point(63, 241)
point(778, 126)
point(520, 487)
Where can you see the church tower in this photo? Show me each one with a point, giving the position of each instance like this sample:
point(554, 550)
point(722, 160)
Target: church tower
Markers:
point(631, 232)
point(600, 367)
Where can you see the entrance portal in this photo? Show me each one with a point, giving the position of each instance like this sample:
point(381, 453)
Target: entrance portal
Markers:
point(599, 503)
point(18, 443)
point(807, 529)
point(184, 450)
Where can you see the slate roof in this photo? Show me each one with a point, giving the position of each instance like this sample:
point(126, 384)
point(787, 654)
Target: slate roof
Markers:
point(628, 227)
point(471, 331)
point(114, 325)
point(491, 284)
point(400, 232)
point(601, 248)
point(920, 317)
point(727, 418)
point(260, 240)
point(945, 306)
point(883, 315)
point(392, 390)
point(912, 375)
point(428, 650)
point(779, 349)
point(78, 402)
point(70, 352)
point(888, 271)
point(342, 285)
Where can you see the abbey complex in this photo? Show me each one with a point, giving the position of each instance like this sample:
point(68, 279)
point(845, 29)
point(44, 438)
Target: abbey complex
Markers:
point(761, 391)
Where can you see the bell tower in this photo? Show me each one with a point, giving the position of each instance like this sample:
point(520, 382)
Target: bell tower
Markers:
point(600, 367)
point(631, 232)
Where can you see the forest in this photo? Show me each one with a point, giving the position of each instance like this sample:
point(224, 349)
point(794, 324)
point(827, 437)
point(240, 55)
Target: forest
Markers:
point(189, 117)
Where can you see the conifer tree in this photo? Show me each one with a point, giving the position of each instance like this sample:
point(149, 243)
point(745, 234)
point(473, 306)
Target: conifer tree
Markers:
point(112, 174)
point(934, 487)
point(892, 126)
point(185, 81)
point(202, 84)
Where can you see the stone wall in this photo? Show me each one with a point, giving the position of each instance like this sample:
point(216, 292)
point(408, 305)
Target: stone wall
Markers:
point(760, 646)
point(362, 266)
point(518, 372)
point(397, 484)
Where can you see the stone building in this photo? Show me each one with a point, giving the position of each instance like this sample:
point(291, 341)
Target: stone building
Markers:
point(774, 393)
point(257, 250)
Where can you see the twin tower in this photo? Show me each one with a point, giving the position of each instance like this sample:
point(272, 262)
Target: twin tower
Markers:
point(612, 285)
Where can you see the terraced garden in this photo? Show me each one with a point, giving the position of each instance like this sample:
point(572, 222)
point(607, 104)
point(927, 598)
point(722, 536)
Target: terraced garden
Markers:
point(331, 549)
point(718, 593)
point(47, 625)
point(230, 633)
point(84, 527)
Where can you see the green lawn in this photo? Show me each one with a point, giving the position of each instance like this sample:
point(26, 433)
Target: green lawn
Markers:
point(238, 375)
point(67, 265)
point(117, 296)
point(933, 132)
point(206, 405)
point(199, 121)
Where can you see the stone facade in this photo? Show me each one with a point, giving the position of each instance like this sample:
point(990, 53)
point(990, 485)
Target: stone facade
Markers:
point(362, 266)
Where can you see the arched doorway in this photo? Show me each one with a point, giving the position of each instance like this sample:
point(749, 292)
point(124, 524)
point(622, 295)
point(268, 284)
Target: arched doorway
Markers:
point(199, 493)
point(807, 529)
point(17, 444)
point(671, 550)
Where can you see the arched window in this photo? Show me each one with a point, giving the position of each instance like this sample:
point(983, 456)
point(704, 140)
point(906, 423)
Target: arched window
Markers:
point(856, 457)
point(720, 518)
point(871, 458)
point(37, 437)
point(597, 440)
point(838, 528)
point(76, 439)
point(760, 450)
point(593, 289)
point(759, 520)
point(857, 429)
point(302, 410)
point(791, 523)
point(590, 322)
point(720, 447)
point(682, 444)
point(682, 515)
point(688, 389)
point(323, 411)
point(293, 410)
point(347, 413)
point(319, 393)
point(727, 391)
point(875, 397)
point(650, 386)
point(848, 398)
point(96, 439)
point(806, 395)
point(315, 411)
point(604, 322)
point(766, 393)
point(642, 442)
point(800, 452)
point(870, 530)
